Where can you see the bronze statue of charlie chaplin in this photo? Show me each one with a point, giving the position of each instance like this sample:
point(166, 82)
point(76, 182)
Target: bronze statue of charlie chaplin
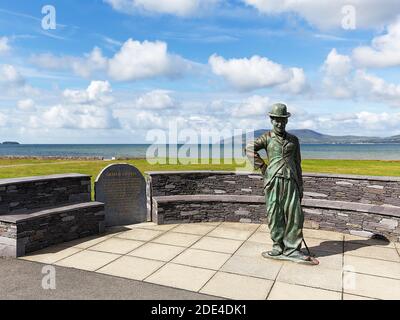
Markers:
point(283, 187)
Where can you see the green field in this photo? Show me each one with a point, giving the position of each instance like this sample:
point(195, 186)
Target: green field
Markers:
point(34, 167)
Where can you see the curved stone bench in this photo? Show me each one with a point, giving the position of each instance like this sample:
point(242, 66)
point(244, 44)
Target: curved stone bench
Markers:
point(36, 212)
point(348, 217)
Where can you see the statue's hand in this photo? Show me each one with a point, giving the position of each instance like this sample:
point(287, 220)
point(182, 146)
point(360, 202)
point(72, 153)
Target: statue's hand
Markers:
point(264, 169)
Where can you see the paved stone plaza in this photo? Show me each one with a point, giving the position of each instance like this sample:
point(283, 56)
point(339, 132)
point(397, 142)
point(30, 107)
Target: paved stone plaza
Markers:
point(224, 260)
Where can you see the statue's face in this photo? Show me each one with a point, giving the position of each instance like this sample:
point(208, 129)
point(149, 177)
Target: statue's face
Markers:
point(279, 124)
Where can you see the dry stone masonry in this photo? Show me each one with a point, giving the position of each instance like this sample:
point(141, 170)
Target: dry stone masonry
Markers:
point(37, 212)
point(359, 205)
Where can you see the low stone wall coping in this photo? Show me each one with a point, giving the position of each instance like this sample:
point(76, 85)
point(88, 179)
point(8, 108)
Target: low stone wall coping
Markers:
point(352, 177)
point(384, 210)
point(4, 182)
point(220, 172)
point(210, 198)
point(305, 174)
point(15, 218)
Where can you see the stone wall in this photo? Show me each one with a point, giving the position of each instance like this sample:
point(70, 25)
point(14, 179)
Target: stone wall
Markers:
point(363, 189)
point(357, 205)
point(24, 194)
point(205, 182)
point(78, 222)
point(37, 212)
point(188, 209)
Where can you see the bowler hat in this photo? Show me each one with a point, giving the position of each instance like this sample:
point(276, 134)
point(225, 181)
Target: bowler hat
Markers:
point(279, 110)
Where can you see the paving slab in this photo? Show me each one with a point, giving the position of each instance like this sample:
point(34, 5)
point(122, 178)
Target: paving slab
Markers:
point(263, 228)
point(372, 286)
point(234, 286)
point(177, 239)
point(240, 226)
point(228, 232)
point(88, 260)
point(180, 276)
point(368, 241)
point(322, 234)
point(252, 249)
point(217, 244)
point(157, 251)
point(347, 296)
point(152, 226)
point(117, 245)
point(262, 237)
point(194, 228)
point(311, 276)
point(333, 246)
point(140, 234)
point(51, 255)
point(374, 267)
point(202, 259)
point(329, 260)
point(87, 242)
point(253, 266)
point(375, 252)
point(131, 267)
point(287, 291)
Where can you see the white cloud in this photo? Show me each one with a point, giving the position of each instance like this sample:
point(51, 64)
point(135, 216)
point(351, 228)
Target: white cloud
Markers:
point(4, 45)
point(9, 75)
point(253, 106)
point(135, 60)
point(342, 80)
point(156, 99)
point(75, 117)
point(140, 60)
point(378, 121)
point(95, 93)
point(3, 120)
point(84, 109)
point(297, 83)
point(174, 7)
point(257, 72)
point(377, 88)
point(84, 67)
point(384, 50)
point(26, 105)
point(328, 14)
point(337, 69)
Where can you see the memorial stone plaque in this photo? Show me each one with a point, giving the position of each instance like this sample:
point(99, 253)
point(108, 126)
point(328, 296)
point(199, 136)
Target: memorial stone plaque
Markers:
point(122, 188)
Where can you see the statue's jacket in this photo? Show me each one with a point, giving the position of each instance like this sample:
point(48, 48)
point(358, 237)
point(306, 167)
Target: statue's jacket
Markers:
point(284, 159)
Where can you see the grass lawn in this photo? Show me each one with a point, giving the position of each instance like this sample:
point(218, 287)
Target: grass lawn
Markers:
point(34, 167)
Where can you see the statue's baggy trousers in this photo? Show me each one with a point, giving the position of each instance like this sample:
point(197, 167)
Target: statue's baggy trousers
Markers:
point(284, 213)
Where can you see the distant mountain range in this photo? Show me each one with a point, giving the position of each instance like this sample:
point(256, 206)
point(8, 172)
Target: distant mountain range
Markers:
point(310, 136)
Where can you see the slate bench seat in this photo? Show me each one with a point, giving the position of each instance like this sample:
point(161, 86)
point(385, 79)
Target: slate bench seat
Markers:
point(37, 212)
point(367, 219)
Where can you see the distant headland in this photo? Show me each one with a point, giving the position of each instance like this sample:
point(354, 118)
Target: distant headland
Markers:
point(10, 142)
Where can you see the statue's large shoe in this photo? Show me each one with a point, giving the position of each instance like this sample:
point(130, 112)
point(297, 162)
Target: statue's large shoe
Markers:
point(272, 253)
point(300, 257)
point(297, 256)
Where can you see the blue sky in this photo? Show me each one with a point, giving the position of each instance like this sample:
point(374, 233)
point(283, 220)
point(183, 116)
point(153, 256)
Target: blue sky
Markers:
point(113, 70)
